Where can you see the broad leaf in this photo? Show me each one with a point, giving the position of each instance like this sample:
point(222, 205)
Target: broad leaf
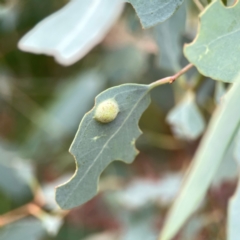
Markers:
point(73, 31)
point(216, 49)
point(186, 119)
point(168, 36)
point(155, 11)
point(29, 228)
point(221, 131)
point(227, 169)
point(237, 147)
point(16, 175)
point(97, 144)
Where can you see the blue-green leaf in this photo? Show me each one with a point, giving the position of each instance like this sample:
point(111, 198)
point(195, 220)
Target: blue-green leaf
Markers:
point(155, 11)
point(97, 144)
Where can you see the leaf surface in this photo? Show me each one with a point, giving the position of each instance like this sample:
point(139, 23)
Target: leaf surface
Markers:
point(233, 230)
point(216, 49)
point(168, 36)
point(221, 132)
point(155, 11)
point(96, 144)
point(186, 119)
point(70, 33)
point(16, 175)
point(28, 228)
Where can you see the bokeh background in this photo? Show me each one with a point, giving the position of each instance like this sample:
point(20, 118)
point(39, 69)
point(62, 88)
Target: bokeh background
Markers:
point(133, 200)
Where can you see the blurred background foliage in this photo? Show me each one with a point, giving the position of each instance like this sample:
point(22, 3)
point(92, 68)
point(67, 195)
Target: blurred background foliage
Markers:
point(42, 103)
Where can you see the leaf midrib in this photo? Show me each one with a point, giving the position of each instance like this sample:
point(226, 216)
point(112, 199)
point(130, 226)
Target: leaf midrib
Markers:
point(104, 146)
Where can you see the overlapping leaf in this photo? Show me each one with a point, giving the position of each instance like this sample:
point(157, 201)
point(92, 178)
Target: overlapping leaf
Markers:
point(96, 144)
point(155, 11)
point(216, 49)
point(221, 132)
point(73, 31)
point(30, 228)
point(233, 230)
point(168, 37)
point(186, 119)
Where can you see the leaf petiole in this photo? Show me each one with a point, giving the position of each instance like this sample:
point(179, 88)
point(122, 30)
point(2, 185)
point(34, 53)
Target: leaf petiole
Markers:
point(171, 79)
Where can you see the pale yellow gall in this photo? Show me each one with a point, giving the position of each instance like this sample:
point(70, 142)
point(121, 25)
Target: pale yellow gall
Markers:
point(106, 111)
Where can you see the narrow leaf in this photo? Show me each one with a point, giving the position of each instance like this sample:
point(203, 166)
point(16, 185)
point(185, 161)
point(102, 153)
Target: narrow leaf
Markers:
point(233, 230)
point(215, 51)
point(221, 131)
point(70, 33)
point(97, 144)
point(155, 11)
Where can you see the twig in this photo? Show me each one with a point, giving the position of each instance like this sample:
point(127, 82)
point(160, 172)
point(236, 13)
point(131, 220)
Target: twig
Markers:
point(199, 5)
point(171, 79)
point(16, 214)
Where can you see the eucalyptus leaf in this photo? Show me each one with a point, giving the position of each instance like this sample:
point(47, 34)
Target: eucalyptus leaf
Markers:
point(233, 230)
point(155, 11)
point(29, 228)
point(215, 51)
point(236, 151)
point(70, 33)
point(221, 132)
point(168, 36)
point(220, 90)
point(16, 176)
point(186, 119)
point(97, 144)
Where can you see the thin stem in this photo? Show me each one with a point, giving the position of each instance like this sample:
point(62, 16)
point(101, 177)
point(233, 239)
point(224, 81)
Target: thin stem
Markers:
point(199, 5)
point(171, 79)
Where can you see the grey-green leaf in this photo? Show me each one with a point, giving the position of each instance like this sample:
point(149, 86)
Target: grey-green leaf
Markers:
point(97, 144)
point(186, 119)
point(28, 228)
point(233, 230)
point(220, 134)
point(168, 36)
point(155, 11)
point(70, 33)
point(216, 49)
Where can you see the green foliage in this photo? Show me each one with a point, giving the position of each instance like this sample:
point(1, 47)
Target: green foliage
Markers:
point(186, 119)
point(77, 34)
point(169, 39)
point(223, 126)
point(97, 144)
point(27, 228)
point(156, 11)
point(215, 50)
point(42, 102)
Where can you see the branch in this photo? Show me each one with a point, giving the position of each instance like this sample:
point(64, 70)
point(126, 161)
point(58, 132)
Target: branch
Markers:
point(171, 79)
point(199, 5)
